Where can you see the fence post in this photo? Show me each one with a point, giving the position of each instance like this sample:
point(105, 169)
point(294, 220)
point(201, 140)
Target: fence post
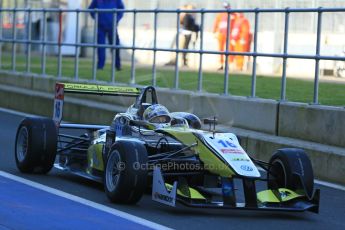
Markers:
point(95, 46)
point(28, 43)
point(154, 70)
point(1, 12)
point(14, 37)
point(226, 72)
point(133, 47)
point(286, 37)
point(113, 50)
point(76, 55)
point(201, 50)
point(44, 48)
point(255, 49)
point(177, 49)
point(317, 58)
point(59, 48)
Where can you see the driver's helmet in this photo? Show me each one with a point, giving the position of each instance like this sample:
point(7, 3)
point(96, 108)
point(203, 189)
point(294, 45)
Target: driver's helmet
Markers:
point(157, 114)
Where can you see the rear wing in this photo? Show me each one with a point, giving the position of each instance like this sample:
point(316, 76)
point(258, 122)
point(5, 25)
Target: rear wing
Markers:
point(62, 88)
point(100, 89)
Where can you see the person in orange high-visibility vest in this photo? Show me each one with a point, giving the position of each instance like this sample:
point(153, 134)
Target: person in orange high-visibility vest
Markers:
point(241, 39)
point(220, 28)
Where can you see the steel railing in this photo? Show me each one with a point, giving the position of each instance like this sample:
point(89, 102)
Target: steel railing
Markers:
point(201, 52)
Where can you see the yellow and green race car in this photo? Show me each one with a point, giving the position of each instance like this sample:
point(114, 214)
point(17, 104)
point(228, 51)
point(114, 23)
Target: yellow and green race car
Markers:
point(147, 147)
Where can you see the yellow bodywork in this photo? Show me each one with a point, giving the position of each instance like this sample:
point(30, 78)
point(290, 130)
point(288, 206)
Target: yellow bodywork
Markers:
point(271, 197)
point(94, 157)
point(194, 194)
point(211, 162)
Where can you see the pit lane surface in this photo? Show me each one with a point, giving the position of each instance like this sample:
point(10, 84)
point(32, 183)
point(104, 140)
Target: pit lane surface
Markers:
point(331, 216)
point(68, 212)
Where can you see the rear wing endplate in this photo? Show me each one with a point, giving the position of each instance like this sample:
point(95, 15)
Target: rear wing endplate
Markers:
point(62, 88)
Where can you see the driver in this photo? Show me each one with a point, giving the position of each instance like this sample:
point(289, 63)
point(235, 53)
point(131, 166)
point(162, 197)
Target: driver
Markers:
point(157, 115)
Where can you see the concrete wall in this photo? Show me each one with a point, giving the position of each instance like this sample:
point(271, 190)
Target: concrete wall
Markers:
point(254, 114)
point(328, 162)
point(248, 113)
point(26, 100)
point(321, 124)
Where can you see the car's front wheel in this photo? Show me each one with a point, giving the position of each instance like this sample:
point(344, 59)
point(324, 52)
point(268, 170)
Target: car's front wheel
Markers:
point(291, 168)
point(125, 174)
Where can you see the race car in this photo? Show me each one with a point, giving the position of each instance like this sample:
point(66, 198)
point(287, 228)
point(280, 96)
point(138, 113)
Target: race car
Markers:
point(147, 147)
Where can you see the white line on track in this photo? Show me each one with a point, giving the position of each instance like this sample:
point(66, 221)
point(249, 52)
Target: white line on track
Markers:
point(330, 185)
point(10, 111)
point(320, 182)
point(83, 201)
point(323, 183)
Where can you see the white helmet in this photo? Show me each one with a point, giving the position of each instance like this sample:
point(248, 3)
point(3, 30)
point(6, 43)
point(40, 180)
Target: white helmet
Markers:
point(157, 114)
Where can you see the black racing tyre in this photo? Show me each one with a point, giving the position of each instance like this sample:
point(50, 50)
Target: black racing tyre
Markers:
point(125, 174)
point(35, 145)
point(285, 165)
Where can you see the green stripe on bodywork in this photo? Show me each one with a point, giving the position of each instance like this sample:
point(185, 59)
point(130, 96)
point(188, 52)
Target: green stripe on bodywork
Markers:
point(94, 157)
point(268, 196)
point(194, 194)
point(211, 162)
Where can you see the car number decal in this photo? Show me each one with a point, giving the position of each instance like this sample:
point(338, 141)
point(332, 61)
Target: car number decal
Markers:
point(231, 151)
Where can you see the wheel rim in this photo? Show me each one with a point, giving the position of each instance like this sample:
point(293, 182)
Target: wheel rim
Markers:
point(22, 144)
point(112, 173)
point(279, 173)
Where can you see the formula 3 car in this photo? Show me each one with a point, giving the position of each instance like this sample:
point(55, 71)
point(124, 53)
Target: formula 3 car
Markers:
point(147, 147)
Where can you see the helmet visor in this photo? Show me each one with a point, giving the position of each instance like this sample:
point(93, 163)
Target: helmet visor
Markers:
point(160, 119)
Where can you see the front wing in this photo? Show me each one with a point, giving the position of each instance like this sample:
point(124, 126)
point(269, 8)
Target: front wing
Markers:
point(268, 200)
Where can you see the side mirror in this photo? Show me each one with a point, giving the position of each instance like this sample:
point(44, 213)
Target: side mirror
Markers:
point(211, 121)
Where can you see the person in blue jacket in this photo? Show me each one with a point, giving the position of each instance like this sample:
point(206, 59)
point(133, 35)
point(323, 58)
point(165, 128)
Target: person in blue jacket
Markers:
point(105, 28)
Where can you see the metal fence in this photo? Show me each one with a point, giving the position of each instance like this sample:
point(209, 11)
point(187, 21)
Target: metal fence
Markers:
point(335, 22)
point(28, 42)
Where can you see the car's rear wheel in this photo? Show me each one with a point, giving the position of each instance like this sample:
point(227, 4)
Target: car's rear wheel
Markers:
point(291, 168)
point(35, 145)
point(125, 174)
